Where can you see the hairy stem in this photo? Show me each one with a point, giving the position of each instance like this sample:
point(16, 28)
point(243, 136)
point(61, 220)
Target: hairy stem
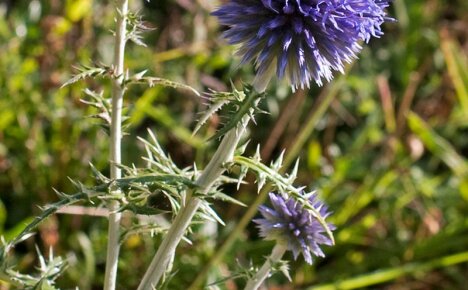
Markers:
point(113, 244)
point(212, 172)
point(262, 274)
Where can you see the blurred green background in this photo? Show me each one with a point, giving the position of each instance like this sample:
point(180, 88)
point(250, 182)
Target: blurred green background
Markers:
point(386, 145)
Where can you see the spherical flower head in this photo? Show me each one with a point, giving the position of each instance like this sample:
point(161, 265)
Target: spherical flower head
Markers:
point(288, 222)
point(300, 39)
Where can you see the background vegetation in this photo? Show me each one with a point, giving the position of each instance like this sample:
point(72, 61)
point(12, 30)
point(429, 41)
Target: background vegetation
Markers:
point(385, 145)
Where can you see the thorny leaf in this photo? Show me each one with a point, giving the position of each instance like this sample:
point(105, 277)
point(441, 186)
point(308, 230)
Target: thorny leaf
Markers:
point(49, 270)
point(152, 229)
point(212, 109)
point(135, 28)
point(283, 267)
point(153, 81)
point(86, 71)
point(218, 195)
point(283, 184)
point(241, 103)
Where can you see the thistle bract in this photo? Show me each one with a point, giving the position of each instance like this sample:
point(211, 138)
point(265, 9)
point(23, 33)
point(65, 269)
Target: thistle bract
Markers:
point(300, 39)
point(290, 223)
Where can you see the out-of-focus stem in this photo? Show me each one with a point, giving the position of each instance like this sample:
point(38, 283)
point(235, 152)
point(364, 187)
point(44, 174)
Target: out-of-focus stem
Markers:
point(262, 274)
point(113, 245)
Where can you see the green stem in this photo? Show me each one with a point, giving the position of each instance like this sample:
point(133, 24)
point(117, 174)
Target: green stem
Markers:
point(213, 171)
point(113, 245)
point(264, 272)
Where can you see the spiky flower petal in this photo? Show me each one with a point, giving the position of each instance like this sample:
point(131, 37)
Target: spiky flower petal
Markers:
point(290, 223)
point(300, 39)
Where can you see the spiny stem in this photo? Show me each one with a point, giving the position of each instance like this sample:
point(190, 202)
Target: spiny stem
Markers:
point(212, 172)
point(262, 274)
point(113, 245)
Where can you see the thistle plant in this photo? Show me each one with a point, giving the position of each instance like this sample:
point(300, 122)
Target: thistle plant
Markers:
point(292, 227)
point(301, 41)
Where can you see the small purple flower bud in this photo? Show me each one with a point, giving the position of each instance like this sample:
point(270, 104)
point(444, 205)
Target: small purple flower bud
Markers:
point(301, 39)
point(288, 222)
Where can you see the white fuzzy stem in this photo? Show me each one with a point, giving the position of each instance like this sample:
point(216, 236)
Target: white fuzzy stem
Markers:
point(113, 244)
point(262, 274)
point(212, 172)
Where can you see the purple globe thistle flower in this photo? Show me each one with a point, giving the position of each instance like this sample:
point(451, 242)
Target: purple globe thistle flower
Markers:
point(288, 222)
point(300, 39)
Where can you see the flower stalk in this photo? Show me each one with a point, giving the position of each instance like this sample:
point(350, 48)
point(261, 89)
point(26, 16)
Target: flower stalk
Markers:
point(212, 172)
point(276, 255)
point(113, 244)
